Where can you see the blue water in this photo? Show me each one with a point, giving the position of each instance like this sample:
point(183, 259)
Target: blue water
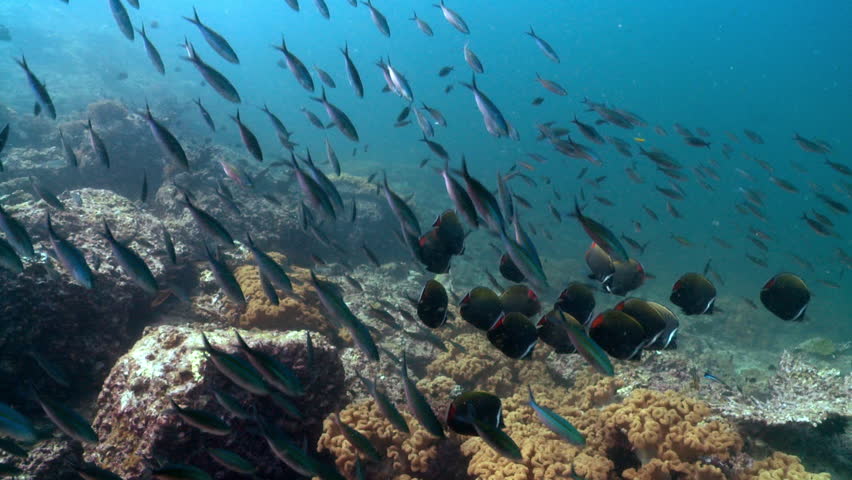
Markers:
point(724, 66)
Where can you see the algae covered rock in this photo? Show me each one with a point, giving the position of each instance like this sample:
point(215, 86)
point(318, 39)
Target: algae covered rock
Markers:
point(45, 311)
point(135, 423)
point(817, 346)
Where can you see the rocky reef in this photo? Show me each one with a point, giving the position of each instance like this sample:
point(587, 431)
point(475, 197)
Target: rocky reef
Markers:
point(47, 312)
point(130, 353)
point(135, 420)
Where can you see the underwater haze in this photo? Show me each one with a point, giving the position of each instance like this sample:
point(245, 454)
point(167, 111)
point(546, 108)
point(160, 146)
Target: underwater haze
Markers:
point(682, 169)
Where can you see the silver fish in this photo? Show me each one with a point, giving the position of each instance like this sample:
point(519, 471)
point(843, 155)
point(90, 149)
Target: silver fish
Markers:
point(70, 257)
point(340, 119)
point(472, 59)
point(423, 26)
point(248, 138)
point(131, 263)
point(454, 18)
point(219, 82)
point(153, 53)
point(216, 41)
point(494, 120)
point(297, 68)
point(205, 114)
point(545, 47)
point(68, 152)
point(39, 88)
point(121, 18)
point(354, 76)
point(379, 19)
point(169, 145)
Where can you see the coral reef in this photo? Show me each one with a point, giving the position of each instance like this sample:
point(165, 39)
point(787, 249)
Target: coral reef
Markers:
point(671, 428)
point(414, 456)
point(798, 393)
point(782, 466)
point(133, 421)
point(482, 366)
point(299, 310)
point(545, 455)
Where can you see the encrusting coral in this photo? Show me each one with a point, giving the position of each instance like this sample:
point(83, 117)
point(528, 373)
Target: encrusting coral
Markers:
point(645, 435)
point(781, 466)
point(417, 455)
point(669, 426)
point(298, 310)
point(483, 367)
point(546, 456)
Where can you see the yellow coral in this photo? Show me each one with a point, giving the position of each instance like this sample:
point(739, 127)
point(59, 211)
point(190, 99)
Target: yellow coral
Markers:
point(415, 456)
point(669, 426)
point(439, 390)
point(545, 456)
point(781, 466)
point(483, 367)
point(299, 310)
point(648, 435)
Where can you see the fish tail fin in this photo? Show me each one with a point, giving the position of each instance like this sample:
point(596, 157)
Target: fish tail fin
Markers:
point(241, 341)
point(404, 367)
point(22, 62)
point(194, 19)
point(204, 340)
point(141, 30)
point(529, 388)
point(107, 231)
point(414, 15)
point(249, 240)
